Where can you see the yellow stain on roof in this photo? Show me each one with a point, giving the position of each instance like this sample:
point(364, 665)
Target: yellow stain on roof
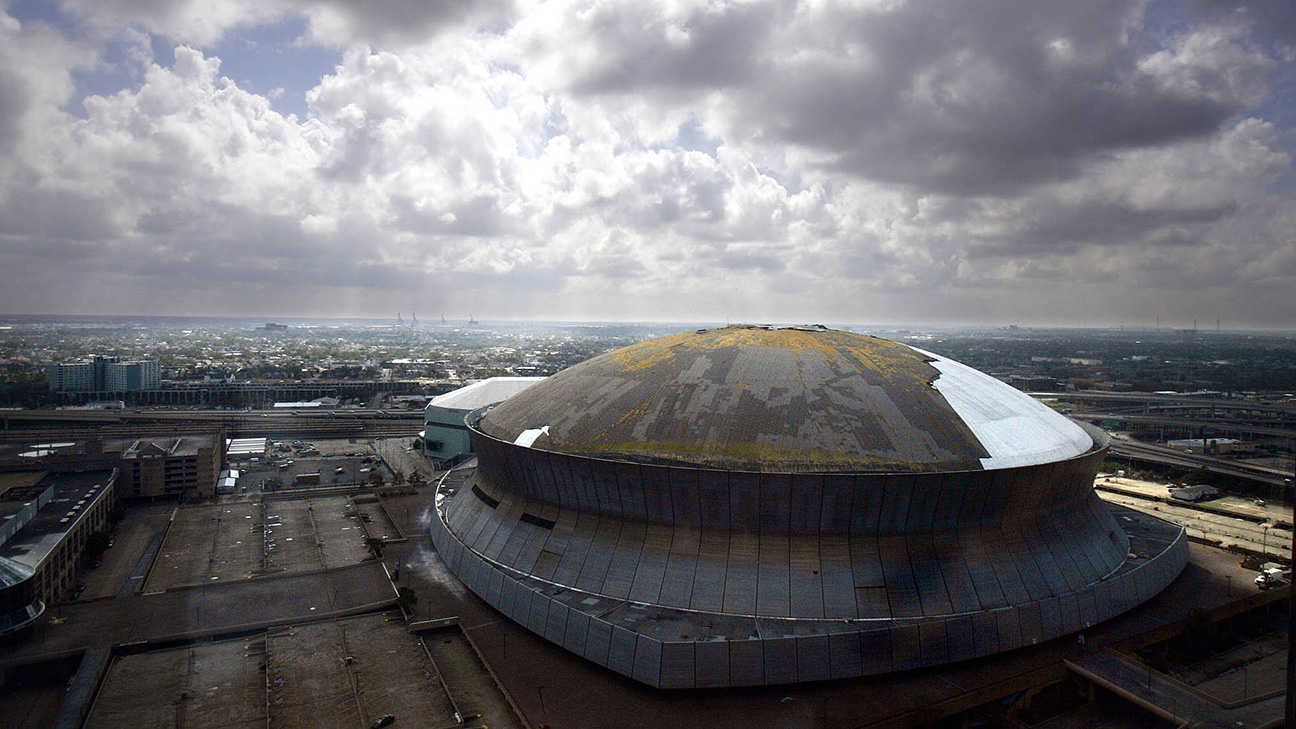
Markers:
point(652, 352)
point(886, 358)
point(770, 456)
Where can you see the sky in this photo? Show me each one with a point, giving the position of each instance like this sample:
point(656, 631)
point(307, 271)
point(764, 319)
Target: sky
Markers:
point(985, 162)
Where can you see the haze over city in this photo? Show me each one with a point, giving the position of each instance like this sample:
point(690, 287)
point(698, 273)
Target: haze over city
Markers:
point(1038, 163)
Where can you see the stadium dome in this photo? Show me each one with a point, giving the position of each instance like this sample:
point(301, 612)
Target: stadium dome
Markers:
point(763, 505)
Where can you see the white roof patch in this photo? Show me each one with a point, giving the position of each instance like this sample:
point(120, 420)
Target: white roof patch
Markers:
point(481, 394)
point(528, 437)
point(1013, 427)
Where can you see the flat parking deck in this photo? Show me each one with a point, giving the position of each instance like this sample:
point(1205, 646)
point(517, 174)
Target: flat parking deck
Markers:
point(344, 462)
point(240, 539)
point(1249, 679)
point(30, 698)
point(348, 673)
point(343, 673)
point(340, 531)
point(209, 543)
point(468, 679)
point(206, 684)
point(377, 524)
point(291, 542)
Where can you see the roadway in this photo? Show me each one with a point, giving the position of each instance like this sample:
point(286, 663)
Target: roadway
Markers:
point(42, 426)
point(9, 417)
point(1284, 408)
point(1218, 426)
point(1134, 450)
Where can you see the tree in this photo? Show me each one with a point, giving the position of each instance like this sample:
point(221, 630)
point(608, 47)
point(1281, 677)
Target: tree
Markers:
point(416, 480)
point(95, 545)
point(406, 599)
point(376, 478)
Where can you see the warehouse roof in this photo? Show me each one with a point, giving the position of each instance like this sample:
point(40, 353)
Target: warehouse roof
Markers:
point(483, 393)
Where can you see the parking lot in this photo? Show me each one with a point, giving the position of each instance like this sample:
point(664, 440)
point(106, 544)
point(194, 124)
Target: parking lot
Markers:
point(206, 684)
point(349, 673)
point(311, 464)
point(210, 543)
point(242, 539)
point(1232, 522)
point(344, 673)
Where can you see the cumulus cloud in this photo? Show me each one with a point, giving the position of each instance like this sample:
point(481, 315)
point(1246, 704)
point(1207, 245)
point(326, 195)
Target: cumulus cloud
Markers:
point(919, 161)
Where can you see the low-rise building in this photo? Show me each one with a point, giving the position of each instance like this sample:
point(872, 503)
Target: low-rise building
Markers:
point(1212, 446)
point(1200, 492)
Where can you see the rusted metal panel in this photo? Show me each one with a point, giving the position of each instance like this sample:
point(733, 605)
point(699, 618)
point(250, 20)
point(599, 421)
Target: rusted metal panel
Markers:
point(750, 400)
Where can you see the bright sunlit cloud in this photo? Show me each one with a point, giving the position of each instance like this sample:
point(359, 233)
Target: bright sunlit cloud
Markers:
point(936, 161)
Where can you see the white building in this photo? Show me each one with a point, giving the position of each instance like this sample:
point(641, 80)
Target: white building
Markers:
point(73, 377)
point(444, 434)
point(124, 376)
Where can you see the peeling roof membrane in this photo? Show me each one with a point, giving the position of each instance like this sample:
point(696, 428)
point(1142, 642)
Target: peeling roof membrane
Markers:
point(1015, 428)
point(527, 437)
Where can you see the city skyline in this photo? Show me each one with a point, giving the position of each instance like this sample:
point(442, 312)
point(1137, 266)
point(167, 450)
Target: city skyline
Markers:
point(931, 162)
